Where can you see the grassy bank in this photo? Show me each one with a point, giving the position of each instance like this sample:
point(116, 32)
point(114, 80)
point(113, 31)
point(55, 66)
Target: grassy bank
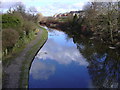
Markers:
point(29, 57)
point(27, 52)
point(20, 45)
point(22, 37)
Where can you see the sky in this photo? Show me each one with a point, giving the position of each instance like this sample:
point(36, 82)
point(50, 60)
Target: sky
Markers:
point(47, 7)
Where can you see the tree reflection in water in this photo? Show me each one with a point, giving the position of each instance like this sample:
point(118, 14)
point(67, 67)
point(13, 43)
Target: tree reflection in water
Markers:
point(104, 64)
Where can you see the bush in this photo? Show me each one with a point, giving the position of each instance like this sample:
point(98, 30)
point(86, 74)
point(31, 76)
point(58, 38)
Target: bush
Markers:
point(9, 38)
point(29, 26)
point(10, 21)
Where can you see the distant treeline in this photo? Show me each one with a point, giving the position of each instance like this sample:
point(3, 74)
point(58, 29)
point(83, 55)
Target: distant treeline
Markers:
point(99, 19)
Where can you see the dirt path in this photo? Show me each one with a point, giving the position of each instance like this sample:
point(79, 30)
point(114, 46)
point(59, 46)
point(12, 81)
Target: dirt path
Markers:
point(13, 71)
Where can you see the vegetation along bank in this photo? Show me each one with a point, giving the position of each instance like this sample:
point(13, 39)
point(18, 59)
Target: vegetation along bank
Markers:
point(22, 37)
point(100, 20)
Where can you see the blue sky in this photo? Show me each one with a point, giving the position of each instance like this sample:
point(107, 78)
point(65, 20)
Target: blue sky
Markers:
point(47, 7)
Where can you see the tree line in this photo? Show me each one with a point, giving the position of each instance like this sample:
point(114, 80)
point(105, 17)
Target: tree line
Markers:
point(101, 18)
point(98, 19)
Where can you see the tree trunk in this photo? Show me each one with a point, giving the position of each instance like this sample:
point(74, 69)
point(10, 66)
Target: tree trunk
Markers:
point(111, 31)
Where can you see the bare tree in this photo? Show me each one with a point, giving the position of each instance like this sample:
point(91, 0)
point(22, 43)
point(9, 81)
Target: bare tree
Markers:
point(32, 10)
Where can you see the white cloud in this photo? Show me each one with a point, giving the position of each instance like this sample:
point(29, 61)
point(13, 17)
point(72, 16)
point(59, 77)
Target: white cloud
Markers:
point(21, 0)
point(11, 0)
point(7, 5)
point(79, 5)
point(47, 7)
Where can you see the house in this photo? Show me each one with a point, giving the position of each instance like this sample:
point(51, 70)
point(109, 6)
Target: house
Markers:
point(73, 13)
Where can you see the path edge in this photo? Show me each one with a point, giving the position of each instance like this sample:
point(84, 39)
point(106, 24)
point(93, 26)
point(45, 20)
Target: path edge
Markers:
point(29, 57)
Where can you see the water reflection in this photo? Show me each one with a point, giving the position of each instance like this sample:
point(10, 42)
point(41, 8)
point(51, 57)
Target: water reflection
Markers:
point(104, 64)
point(42, 70)
point(77, 62)
point(60, 50)
point(59, 64)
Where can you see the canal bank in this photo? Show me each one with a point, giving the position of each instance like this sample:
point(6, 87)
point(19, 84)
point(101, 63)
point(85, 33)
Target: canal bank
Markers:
point(16, 74)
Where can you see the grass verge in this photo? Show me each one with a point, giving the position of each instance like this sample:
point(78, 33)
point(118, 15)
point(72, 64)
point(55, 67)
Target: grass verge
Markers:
point(16, 50)
point(24, 76)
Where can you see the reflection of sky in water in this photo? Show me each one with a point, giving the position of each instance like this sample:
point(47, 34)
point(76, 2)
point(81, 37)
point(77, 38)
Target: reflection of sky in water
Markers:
point(60, 50)
point(59, 38)
point(42, 70)
point(59, 64)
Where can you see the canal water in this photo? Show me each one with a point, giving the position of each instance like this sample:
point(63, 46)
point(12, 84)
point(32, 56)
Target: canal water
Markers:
point(65, 62)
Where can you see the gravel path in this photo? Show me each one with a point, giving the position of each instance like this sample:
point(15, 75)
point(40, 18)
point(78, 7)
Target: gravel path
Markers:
point(14, 69)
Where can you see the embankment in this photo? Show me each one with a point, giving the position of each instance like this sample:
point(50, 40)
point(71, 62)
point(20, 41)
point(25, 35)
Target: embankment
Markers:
point(16, 74)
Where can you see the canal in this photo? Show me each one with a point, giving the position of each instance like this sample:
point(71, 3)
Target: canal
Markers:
point(74, 62)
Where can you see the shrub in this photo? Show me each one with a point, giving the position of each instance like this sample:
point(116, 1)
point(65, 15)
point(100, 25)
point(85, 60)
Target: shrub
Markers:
point(9, 38)
point(29, 26)
point(10, 21)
